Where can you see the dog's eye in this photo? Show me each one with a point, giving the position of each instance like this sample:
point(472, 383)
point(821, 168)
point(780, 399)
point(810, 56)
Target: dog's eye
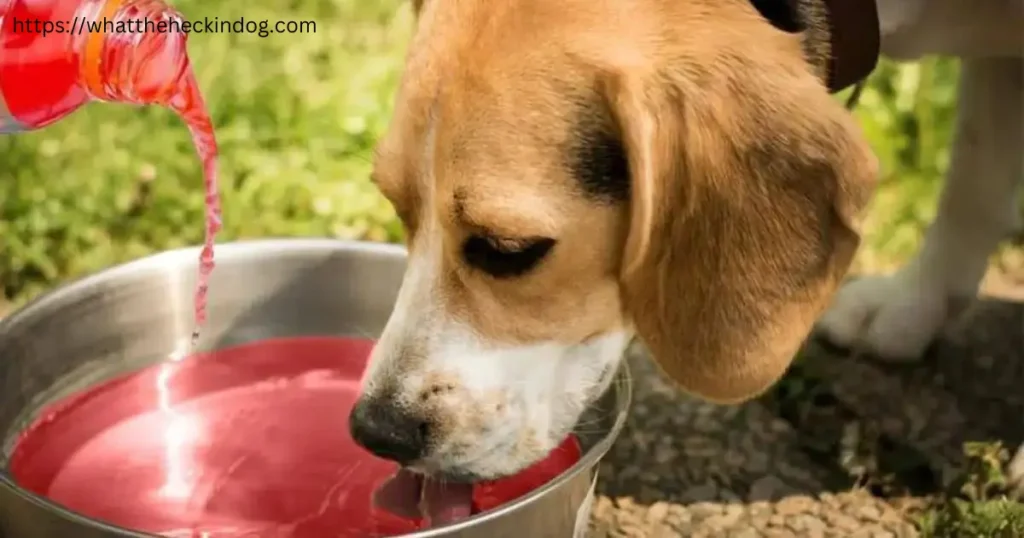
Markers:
point(505, 258)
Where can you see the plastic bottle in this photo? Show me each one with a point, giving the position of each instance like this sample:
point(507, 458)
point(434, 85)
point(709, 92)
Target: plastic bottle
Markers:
point(57, 55)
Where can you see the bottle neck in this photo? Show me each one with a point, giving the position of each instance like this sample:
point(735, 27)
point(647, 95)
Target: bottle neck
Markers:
point(132, 51)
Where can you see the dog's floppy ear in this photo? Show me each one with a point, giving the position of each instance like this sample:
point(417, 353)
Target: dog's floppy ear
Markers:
point(746, 188)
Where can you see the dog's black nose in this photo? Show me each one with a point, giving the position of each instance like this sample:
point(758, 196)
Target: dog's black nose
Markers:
point(388, 430)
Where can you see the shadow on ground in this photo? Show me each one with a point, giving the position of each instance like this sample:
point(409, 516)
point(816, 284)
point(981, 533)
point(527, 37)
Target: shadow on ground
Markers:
point(845, 446)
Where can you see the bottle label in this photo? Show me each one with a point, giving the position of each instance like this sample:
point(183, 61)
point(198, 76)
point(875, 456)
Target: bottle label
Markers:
point(8, 124)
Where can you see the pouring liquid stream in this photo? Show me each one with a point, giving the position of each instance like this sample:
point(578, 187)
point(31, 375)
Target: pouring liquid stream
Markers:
point(147, 68)
point(188, 104)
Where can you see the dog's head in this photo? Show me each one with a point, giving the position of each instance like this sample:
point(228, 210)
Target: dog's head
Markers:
point(572, 173)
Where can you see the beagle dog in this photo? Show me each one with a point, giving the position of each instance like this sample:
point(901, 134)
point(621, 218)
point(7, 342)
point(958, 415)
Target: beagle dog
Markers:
point(572, 174)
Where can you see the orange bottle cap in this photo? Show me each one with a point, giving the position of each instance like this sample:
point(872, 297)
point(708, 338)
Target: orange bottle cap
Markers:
point(92, 60)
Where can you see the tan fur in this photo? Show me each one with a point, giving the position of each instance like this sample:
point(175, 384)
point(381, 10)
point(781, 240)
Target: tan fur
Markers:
point(747, 178)
point(750, 231)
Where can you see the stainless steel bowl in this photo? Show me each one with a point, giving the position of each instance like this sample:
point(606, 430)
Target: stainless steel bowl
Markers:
point(139, 313)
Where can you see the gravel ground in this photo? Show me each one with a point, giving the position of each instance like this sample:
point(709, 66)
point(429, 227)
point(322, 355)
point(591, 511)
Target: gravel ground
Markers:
point(684, 467)
point(773, 467)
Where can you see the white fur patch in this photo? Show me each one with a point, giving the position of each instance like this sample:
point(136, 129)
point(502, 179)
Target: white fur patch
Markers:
point(547, 387)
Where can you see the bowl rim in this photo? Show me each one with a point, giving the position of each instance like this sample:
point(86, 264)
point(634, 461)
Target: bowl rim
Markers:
point(622, 383)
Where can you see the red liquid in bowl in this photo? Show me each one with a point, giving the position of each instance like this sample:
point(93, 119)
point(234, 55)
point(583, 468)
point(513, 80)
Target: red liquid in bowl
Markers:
point(246, 442)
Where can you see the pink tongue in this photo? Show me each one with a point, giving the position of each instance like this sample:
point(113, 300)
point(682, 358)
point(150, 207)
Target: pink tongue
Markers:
point(413, 496)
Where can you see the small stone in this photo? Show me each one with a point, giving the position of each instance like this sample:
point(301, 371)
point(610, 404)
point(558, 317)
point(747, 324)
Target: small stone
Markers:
point(780, 426)
point(760, 520)
point(891, 516)
point(678, 516)
point(701, 447)
point(767, 488)
point(649, 493)
point(793, 469)
point(735, 510)
point(796, 505)
point(728, 496)
point(757, 462)
point(734, 459)
point(603, 507)
point(869, 513)
point(723, 521)
point(650, 477)
point(661, 531)
point(815, 524)
point(841, 521)
point(759, 508)
point(664, 454)
point(628, 525)
point(830, 500)
point(807, 525)
point(704, 510)
point(701, 494)
point(657, 512)
point(626, 474)
point(705, 424)
point(745, 533)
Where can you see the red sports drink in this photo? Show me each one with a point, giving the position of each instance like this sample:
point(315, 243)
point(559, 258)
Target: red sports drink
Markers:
point(57, 55)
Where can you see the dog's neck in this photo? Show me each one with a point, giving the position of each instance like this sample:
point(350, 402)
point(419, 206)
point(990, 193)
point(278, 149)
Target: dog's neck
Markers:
point(840, 37)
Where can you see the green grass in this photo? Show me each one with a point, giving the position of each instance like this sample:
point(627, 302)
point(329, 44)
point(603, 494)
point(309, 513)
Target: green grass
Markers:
point(296, 117)
point(977, 506)
point(995, 518)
